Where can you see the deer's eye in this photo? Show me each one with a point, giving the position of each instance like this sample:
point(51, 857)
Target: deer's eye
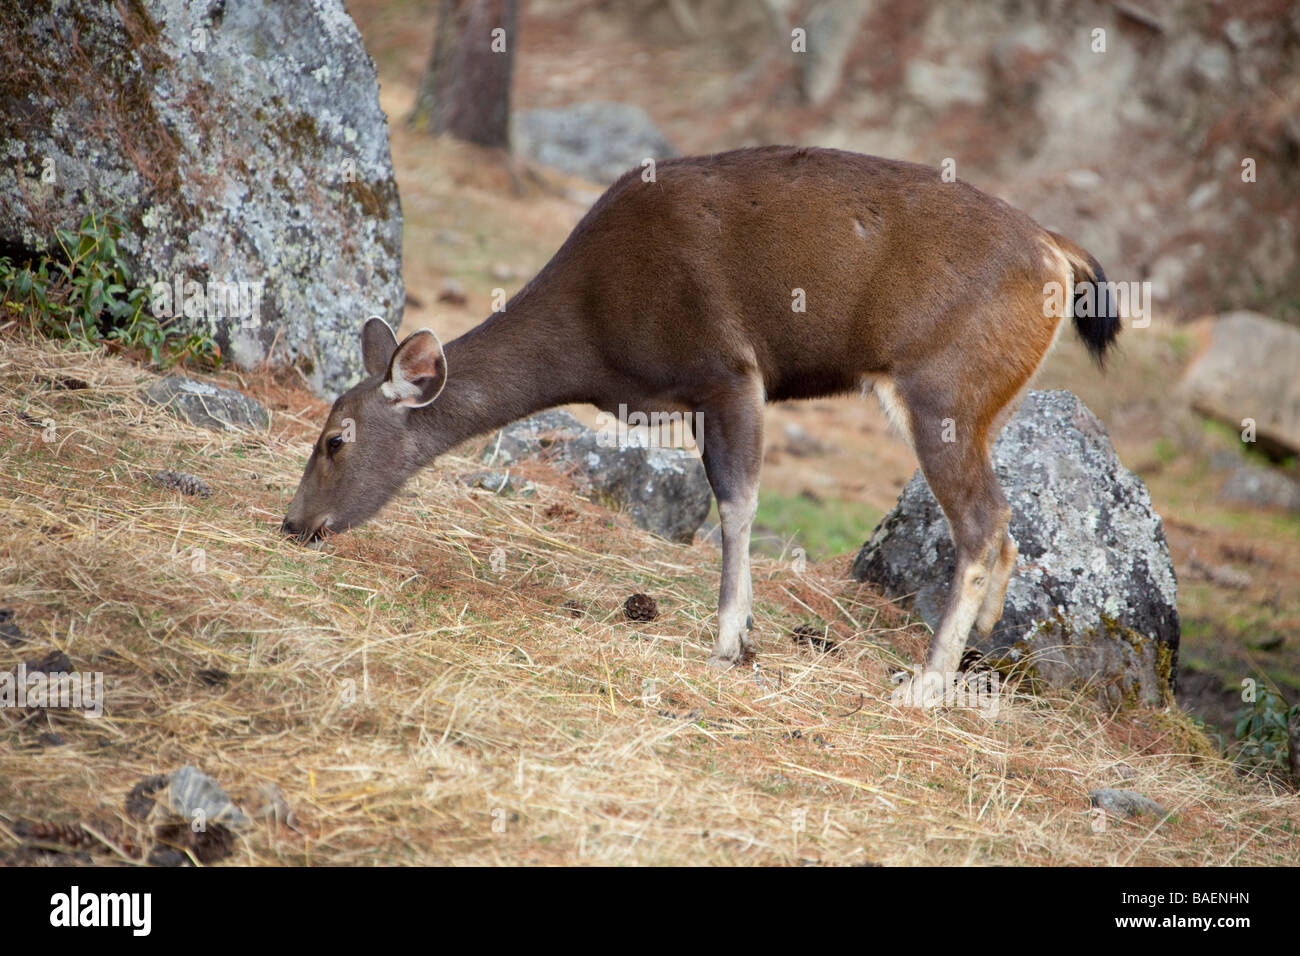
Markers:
point(333, 444)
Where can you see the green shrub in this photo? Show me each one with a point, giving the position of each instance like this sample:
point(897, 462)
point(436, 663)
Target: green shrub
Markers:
point(1262, 733)
point(83, 291)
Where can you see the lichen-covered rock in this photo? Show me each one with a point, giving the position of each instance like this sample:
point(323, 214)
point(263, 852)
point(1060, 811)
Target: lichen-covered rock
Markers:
point(207, 405)
point(598, 141)
point(1093, 599)
point(663, 490)
point(241, 145)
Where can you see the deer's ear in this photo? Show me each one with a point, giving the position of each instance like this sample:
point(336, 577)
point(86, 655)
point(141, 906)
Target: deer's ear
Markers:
point(417, 372)
point(377, 345)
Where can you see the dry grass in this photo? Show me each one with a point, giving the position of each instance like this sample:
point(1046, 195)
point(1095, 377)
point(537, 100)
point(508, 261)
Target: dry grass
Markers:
point(405, 697)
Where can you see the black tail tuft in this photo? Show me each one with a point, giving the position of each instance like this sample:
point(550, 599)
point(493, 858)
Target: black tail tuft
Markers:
point(1096, 313)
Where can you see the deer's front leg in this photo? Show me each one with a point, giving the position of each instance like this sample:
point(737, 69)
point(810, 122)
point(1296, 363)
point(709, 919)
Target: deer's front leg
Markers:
point(733, 455)
point(735, 613)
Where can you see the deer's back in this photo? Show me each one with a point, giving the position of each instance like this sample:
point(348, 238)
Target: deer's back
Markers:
point(803, 262)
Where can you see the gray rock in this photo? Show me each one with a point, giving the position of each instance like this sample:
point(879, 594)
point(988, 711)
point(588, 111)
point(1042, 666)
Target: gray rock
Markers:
point(192, 795)
point(1125, 803)
point(239, 143)
point(209, 406)
point(1249, 371)
point(497, 482)
point(802, 443)
point(598, 141)
point(663, 490)
point(1261, 487)
point(1093, 598)
point(1224, 575)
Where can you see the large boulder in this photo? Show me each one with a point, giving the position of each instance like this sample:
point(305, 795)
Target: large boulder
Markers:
point(663, 490)
point(1249, 371)
point(598, 141)
point(1093, 597)
point(242, 146)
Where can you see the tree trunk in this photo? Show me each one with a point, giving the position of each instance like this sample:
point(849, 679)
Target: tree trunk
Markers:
point(465, 90)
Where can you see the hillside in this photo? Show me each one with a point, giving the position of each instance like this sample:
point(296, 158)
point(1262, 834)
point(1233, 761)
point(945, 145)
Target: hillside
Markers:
point(412, 705)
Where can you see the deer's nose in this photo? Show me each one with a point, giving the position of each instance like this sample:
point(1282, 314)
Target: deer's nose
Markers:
point(289, 528)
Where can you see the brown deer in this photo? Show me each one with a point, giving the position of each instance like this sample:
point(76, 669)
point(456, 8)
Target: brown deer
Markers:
point(681, 291)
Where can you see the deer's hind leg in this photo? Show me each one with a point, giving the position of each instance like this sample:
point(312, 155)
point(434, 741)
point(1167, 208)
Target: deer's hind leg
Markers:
point(950, 434)
point(1003, 566)
point(733, 455)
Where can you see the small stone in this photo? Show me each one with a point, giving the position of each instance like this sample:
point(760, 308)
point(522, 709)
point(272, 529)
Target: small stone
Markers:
point(452, 292)
point(9, 632)
point(802, 443)
point(502, 272)
point(497, 482)
point(1261, 487)
point(191, 793)
point(1125, 803)
point(207, 405)
point(55, 662)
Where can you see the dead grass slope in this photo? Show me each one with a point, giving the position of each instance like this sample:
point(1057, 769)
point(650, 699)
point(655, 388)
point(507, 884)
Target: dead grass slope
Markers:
point(417, 707)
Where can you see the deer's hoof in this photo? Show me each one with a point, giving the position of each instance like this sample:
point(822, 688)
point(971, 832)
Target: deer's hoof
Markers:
point(732, 657)
point(919, 690)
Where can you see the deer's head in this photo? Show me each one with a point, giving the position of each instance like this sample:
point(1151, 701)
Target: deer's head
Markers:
point(367, 449)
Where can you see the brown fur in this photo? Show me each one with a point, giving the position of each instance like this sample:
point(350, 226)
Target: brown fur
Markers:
point(676, 295)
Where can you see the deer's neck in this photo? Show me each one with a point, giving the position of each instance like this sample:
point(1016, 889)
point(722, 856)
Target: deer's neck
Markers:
point(519, 361)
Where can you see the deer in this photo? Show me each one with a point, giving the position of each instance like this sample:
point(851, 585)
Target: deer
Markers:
point(680, 292)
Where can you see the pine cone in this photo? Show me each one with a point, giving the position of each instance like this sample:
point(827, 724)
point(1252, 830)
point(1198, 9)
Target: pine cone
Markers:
point(813, 636)
point(640, 607)
point(182, 481)
point(66, 834)
point(140, 800)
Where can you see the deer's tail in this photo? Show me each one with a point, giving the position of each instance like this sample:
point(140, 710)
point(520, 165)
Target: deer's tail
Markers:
point(1096, 313)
